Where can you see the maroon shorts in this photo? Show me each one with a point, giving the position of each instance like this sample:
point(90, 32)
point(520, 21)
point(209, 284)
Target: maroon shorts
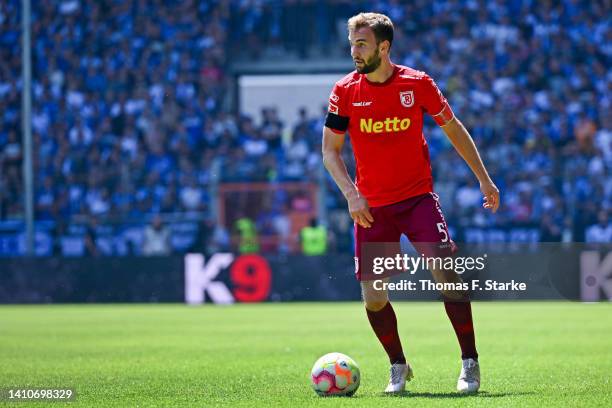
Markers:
point(420, 218)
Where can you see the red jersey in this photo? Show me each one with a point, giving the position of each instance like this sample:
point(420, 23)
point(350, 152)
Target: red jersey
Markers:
point(385, 124)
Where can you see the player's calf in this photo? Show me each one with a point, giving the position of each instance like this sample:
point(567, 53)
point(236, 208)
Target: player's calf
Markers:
point(454, 285)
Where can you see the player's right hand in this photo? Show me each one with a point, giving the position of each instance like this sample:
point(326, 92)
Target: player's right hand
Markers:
point(491, 195)
point(359, 210)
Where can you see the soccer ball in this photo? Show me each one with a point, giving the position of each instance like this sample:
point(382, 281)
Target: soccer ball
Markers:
point(335, 374)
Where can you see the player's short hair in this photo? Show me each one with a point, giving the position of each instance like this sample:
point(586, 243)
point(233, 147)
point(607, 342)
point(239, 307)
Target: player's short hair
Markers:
point(381, 25)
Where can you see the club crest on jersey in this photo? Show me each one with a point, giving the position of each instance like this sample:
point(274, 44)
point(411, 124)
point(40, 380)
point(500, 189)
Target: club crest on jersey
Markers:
point(407, 98)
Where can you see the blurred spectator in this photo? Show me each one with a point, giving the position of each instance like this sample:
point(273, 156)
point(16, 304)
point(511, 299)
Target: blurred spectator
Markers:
point(281, 224)
point(192, 196)
point(203, 240)
point(248, 240)
point(156, 240)
point(600, 232)
point(550, 230)
point(221, 240)
point(314, 239)
point(90, 239)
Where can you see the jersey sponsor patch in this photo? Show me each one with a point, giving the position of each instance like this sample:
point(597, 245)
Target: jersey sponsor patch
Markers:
point(365, 103)
point(333, 97)
point(407, 98)
point(333, 108)
point(387, 125)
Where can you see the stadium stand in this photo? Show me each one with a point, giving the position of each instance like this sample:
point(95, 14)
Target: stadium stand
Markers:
point(131, 115)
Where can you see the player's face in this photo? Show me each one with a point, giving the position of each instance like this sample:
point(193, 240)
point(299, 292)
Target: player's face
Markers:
point(364, 50)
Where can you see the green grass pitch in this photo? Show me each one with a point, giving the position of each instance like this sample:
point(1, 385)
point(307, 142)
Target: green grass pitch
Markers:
point(532, 354)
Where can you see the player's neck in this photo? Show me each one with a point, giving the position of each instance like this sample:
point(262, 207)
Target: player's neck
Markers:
point(382, 73)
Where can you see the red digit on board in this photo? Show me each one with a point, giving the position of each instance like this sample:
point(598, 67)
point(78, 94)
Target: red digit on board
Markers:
point(251, 276)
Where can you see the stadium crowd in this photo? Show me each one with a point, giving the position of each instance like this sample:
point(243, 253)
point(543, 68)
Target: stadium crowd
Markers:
point(131, 115)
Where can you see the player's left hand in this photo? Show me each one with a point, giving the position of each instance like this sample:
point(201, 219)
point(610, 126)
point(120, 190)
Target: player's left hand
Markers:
point(491, 195)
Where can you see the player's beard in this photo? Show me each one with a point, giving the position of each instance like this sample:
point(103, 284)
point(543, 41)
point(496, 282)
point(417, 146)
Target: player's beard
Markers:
point(370, 65)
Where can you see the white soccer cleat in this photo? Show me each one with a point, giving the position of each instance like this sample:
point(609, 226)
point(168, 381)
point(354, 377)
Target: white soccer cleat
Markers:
point(400, 374)
point(469, 379)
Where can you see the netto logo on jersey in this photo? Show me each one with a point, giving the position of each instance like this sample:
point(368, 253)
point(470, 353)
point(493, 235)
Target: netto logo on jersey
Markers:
point(394, 124)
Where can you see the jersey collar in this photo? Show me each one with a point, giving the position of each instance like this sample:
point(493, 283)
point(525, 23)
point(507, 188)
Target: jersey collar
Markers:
point(389, 80)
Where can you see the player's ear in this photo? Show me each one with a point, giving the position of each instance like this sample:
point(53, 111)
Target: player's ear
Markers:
point(384, 47)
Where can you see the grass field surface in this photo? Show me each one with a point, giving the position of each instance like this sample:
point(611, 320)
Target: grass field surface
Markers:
point(531, 354)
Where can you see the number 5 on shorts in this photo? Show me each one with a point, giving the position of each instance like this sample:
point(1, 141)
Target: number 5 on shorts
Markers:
point(442, 230)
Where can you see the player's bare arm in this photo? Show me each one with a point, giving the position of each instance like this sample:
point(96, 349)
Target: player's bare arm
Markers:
point(333, 162)
point(463, 143)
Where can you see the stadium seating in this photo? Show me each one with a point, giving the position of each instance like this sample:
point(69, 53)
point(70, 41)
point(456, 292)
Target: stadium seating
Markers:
point(130, 108)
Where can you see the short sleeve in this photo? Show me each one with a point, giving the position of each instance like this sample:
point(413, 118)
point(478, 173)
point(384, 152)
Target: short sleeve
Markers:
point(434, 103)
point(337, 112)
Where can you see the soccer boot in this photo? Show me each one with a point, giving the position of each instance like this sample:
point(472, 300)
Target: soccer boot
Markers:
point(469, 379)
point(400, 374)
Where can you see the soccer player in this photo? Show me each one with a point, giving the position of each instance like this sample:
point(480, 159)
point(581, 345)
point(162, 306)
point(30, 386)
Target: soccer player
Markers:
point(382, 105)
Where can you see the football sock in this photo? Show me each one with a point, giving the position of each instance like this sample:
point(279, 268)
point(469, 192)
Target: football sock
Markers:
point(384, 324)
point(460, 315)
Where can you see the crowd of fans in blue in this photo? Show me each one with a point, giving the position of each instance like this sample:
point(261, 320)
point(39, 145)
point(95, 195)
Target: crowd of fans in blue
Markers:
point(131, 115)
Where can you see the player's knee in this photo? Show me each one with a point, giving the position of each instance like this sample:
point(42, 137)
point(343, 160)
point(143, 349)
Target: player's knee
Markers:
point(375, 305)
point(373, 298)
point(455, 295)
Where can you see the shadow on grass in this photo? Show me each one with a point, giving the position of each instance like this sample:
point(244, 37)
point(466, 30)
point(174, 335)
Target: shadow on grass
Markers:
point(481, 394)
